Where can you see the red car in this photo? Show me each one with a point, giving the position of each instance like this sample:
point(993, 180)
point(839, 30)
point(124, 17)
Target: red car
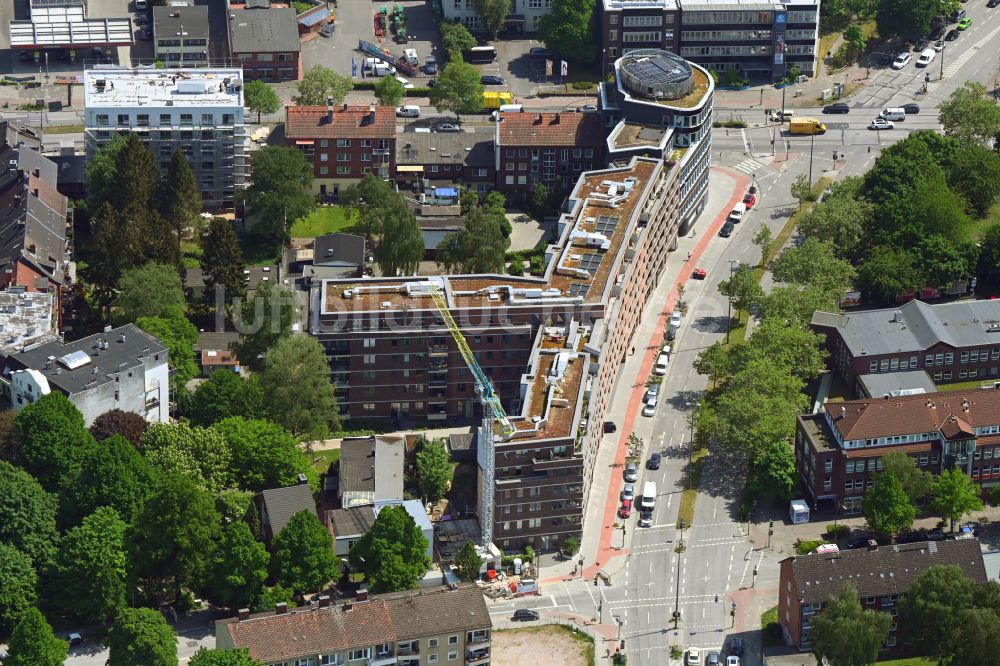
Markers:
point(750, 199)
point(626, 509)
point(699, 274)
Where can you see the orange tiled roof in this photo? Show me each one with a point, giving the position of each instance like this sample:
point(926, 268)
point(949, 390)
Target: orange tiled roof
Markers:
point(310, 122)
point(565, 128)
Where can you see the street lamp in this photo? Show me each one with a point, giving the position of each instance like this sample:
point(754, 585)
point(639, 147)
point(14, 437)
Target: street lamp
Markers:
point(944, 47)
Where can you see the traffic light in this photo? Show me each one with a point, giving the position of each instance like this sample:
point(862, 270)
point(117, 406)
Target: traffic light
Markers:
point(621, 645)
point(716, 598)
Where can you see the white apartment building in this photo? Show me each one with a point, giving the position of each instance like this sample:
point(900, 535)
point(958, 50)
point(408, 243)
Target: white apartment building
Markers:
point(197, 111)
point(524, 14)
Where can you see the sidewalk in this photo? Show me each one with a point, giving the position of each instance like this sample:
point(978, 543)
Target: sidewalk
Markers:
point(599, 549)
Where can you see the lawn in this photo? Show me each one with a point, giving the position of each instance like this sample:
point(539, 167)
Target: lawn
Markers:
point(685, 514)
point(324, 220)
point(770, 628)
point(992, 217)
point(322, 460)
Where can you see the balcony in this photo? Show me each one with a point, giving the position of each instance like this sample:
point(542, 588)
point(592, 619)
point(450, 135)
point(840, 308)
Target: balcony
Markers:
point(475, 656)
point(382, 659)
point(439, 393)
point(408, 651)
point(478, 640)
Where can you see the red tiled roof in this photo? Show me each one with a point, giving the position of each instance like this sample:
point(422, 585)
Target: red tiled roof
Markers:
point(565, 128)
point(954, 427)
point(866, 419)
point(309, 122)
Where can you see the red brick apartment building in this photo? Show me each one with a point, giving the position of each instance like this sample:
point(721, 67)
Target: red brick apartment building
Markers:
point(548, 148)
point(552, 345)
point(881, 574)
point(838, 449)
point(265, 42)
point(343, 143)
point(445, 159)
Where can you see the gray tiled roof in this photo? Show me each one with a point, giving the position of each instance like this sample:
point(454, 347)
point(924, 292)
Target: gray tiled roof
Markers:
point(465, 148)
point(437, 611)
point(886, 570)
point(371, 470)
point(268, 29)
point(351, 522)
point(283, 503)
point(171, 21)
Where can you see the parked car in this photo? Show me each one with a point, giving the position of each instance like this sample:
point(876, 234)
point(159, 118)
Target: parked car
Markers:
point(951, 36)
point(74, 639)
point(937, 32)
point(628, 492)
point(911, 108)
point(631, 473)
point(675, 321)
point(491, 80)
point(525, 614)
point(446, 127)
point(609, 427)
point(646, 518)
point(732, 660)
point(406, 84)
point(671, 333)
point(965, 23)
point(993, 3)
point(538, 52)
point(431, 66)
point(693, 657)
point(920, 45)
point(660, 368)
point(712, 659)
point(881, 124)
point(654, 461)
point(587, 108)
point(699, 274)
point(939, 44)
point(749, 200)
point(626, 509)
point(727, 229)
point(650, 407)
point(837, 107)
point(736, 646)
point(901, 60)
point(936, 535)
point(408, 111)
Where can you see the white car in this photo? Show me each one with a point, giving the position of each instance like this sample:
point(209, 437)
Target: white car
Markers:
point(406, 84)
point(693, 657)
point(675, 319)
point(732, 660)
point(881, 124)
point(901, 60)
point(650, 407)
point(661, 364)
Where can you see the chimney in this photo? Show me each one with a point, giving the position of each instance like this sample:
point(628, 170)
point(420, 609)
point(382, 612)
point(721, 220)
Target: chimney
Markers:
point(362, 594)
point(324, 601)
point(244, 614)
point(897, 316)
point(348, 607)
point(872, 545)
point(843, 412)
point(329, 110)
point(302, 479)
point(280, 608)
point(555, 120)
point(345, 106)
point(538, 118)
point(371, 114)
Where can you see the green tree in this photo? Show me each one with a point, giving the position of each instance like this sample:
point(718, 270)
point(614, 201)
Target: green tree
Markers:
point(320, 84)
point(764, 240)
point(401, 246)
point(814, 262)
point(88, 578)
point(238, 569)
point(389, 91)
point(141, 636)
point(303, 554)
point(742, 289)
point(178, 335)
point(940, 262)
point(903, 18)
point(33, 642)
point(989, 258)
point(793, 349)
point(265, 319)
point(234, 504)
point(138, 176)
point(110, 252)
point(855, 37)
point(18, 585)
point(279, 191)
point(222, 261)
point(53, 440)
point(954, 494)
point(101, 173)
point(977, 630)
point(802, 188)
point(569, 30)
point(298, 389)
point(456, 38)
point(172, 538)
point(217, 657)
point(970, 115)
point(774, 473)
point(434, 469)
point(796, 305)
point(844, 617)
point(200, 453)
point(468, 562)
point(180, 199)
point(539, 198)
point(479, 247)
point(393, 552)
point(931, 609)
point(715, 362)
point(975, 174)
point(840, 220)
point(371, 197)
point(889, 271)
point(261, 98)
point(115, 476)
point(148, 291)
point(458, 89)
point(887, 507)
point(226, 394)
point(916, 482)
point(27, 514)
point(265, 455)
point(493, 13)
point(129, 425)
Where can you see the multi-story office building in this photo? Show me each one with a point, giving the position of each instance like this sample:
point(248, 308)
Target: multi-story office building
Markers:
point(524, 14)
point(343, 143)
point(197, 111)
point(413, 628)
point(761, 40)
point(180, 35)
point(839, 449)
point(548, 148)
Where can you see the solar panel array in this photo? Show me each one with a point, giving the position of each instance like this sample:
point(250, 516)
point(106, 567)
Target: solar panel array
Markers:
point(590, 261)
point(606, 225)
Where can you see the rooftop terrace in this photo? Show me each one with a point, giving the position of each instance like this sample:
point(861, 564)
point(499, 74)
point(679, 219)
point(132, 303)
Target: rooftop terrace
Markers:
point(121, 87)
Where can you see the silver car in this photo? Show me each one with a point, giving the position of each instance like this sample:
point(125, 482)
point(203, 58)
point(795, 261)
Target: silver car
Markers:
point(631, 473)
point(628, 492)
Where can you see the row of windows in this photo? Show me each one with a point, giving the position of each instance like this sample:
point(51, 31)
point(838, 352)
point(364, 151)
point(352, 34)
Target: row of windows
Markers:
point(874, 464)
point(716, 18)
point(725, 50)
point(649, 36)
point(535, 154)
point(798, 49)
point(265, 57)
point(726, 35)
point(166, 119)
point(537, 4)
point(800, 34)
point(645, 21)
point(177, 42)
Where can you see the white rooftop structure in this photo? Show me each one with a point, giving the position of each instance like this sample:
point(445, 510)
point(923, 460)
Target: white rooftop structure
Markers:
point(116, 87)
point(64, 24)
point(25, 319)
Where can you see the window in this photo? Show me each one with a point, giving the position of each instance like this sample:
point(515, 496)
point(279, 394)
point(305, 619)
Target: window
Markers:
point(324, 171)
point(849, 468)
point(323, 157)
point(965, 357)
point(453, 640)
point(358, 655)
point(343, 143)
point(369, 359)
point(432, 659)
point(883, 365)
point(613, 19)
point(873, 366)
point(343, 171)
point(643, 21)
point(122, 120)
point(369, 343)
point(612, 35)
point(432, 642)
point(330, 660)
point(452, 656)
point(343, 157)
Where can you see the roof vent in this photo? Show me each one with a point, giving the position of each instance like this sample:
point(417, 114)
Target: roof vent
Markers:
point(74, 360)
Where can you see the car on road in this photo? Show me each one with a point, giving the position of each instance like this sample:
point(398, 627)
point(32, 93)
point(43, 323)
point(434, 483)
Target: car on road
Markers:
point(631, 473)
point(727, 229)
point(837, 107)
point(937, 32)
point(699, 274)
point(951, 36)
point(646, 518)
point(628, 492)
point(901, 60)
point(712, 659)
point(74, 639)
point(993, 3)
point(446, 127)
point(939, 44)
point(736, 647)
point(749, 200)
point(693, 657)
point(911, 108)
point(491, 80)
point(881, 124)
point(660, 367)
point(732, 660)
point(626, 509)
point(408, 111)
point(587, 108)
point(674, 323)
point(965, 23)
point(525, 614)
point(406, 84)
point(538, 52)
point(654, 461)
point(431, 65)
point(650, 407)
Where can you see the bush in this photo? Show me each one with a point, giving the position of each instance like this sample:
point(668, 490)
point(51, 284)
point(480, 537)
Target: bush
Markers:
point(838, 531)
point(417, 91)
point(804, 547)
point(571, 546)
point(738, 124)
point(582, 85)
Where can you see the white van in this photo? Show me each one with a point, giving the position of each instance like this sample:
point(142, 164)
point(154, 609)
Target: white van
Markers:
point(737, 213)
point(410, 56)
point(507, 108)
point(648, 499)
point(926, 57)
point(893, 113)
point(408, 111)
point(379, 67)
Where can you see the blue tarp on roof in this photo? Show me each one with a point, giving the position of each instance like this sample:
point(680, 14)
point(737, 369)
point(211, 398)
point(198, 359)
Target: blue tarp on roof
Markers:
point(445, 192)
point(313, 19)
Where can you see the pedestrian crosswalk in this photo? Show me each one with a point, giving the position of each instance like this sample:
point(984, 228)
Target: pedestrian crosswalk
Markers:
point(956, 64)
point(750, 166)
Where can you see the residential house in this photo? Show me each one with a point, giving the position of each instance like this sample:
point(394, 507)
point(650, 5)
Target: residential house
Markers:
point(552, 149)
point(341, 251)
point(881, 574)
point(839, 449)
point(344, 143)
point(276, 506)
point(180, 35)
point(370, 471)
point(265, 42)
point(413, 628)
point(348, 525)
point(445, 159)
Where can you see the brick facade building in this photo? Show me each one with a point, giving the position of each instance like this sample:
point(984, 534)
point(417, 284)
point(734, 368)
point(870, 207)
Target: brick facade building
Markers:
point(265, 42)
point(548, 148)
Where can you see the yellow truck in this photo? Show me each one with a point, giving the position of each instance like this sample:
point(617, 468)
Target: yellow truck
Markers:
point(805, 126)
point(494, 100)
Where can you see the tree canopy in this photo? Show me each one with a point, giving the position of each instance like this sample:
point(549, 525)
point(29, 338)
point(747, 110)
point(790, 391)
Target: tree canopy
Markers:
point(27, 514)
point(303, 554)
point(458, 89)
point(931, 608)
point(33, 642)
point(434, 470)
point(115, 476)
point(260, 98)
point(179, 200)
point(845, 634)
point(953, 494)
point(970, 115)
point(226, 394)
point(264, 454)
point(887, 507)
point(53, 440)
point(141, 636)
point(178, 335)
point(468, 562)
point(916, 482)
point(905, 18)
point(401, 246)
point(202, 454)
point(222, 261)
point(298, 389)
point(493, 14)
point(479, 247)
point(150, 290)
point(456, 38)
point(234, 657)
point(321, 83)
point(393, 552)
point(238, 568)
point(279, 191)
point(89, 572)
point(389, 91)
point(569, 30)
point(18, 585)
point(129, 425)
point(265, 319)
